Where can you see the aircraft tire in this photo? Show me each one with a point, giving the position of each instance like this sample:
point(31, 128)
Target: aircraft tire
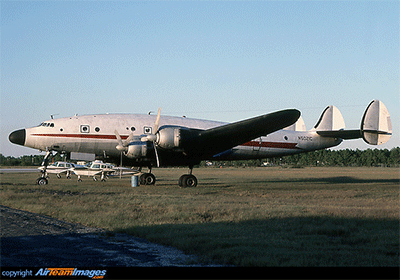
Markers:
point(188, 180)
point(147, 179)
point(42, 181)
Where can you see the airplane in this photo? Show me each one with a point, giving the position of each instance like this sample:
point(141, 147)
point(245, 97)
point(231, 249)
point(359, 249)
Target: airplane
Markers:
point(156, 141)
point(58, 167)
point(94, 168)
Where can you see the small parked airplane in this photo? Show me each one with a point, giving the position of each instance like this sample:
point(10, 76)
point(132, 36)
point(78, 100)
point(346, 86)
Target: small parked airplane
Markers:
point(58, 167)
point(92, 169)
point(148, 140)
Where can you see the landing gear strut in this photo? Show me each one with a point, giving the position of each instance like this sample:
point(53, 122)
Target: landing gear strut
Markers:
point(41, 181)
point(188, 180)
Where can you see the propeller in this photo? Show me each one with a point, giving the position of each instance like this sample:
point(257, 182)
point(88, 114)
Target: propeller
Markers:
point(123, 145)
point(153, 137)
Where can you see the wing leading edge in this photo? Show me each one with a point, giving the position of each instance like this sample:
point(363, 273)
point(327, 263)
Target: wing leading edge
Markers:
point(219, 139)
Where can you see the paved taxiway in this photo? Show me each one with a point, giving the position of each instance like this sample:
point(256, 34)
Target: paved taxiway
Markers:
point(30, 240)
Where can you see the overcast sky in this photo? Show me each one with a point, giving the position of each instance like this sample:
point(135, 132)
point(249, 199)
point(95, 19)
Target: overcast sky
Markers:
point(217, 60)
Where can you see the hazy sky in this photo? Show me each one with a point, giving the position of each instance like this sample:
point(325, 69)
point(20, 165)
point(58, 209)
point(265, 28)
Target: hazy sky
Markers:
point(204, 59)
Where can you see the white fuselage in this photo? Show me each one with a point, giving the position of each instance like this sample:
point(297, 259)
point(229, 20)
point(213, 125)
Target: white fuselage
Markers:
point(95, 134)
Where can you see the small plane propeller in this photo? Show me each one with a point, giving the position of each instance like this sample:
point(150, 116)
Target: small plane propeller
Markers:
point(153, 137)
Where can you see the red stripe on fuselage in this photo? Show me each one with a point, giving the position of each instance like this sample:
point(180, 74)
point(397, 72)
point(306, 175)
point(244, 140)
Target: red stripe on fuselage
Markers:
point(279, 145)
point(84, 136)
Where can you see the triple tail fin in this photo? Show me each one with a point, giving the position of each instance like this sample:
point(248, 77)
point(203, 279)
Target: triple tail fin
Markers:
point(375, 129)
point(331, 119)
point(297, 126)
point(376, 126)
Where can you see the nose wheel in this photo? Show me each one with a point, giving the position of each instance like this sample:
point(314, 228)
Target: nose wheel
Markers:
point(41, 181)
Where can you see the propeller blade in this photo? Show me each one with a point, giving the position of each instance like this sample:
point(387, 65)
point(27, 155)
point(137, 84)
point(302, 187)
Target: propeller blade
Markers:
point(157, 123)
point(153, 137)
point(157, 159)
point(129, 139)
point(120, 165)
point(118, 137)
point(121, 146)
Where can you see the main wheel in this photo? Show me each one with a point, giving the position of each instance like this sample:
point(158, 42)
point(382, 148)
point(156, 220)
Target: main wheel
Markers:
point(147, 179)
point(42, 181)
point(188, 180)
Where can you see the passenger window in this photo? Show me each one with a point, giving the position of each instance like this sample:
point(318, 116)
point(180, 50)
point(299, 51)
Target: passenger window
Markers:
point(147, 130)
point(85, 129)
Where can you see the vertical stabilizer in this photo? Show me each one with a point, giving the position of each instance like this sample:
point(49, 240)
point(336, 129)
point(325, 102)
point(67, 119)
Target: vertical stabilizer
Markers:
point(376, 126)
point(331, 119)
point(297, 126)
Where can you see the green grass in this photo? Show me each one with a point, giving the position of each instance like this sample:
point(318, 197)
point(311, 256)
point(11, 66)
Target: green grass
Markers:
point(245, 217)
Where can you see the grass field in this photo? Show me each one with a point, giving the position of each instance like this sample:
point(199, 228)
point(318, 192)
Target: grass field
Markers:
point(242, 216)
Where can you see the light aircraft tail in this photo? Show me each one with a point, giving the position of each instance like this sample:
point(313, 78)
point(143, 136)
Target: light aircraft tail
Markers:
point(375, 129)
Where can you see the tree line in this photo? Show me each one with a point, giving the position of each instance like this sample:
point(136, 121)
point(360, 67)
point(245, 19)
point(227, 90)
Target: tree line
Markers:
point(347, 157)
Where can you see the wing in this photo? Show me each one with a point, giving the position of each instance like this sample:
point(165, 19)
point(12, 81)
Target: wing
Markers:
point(221, 138)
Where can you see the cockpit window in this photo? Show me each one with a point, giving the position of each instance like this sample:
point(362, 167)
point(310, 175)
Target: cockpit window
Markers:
point(45, 124)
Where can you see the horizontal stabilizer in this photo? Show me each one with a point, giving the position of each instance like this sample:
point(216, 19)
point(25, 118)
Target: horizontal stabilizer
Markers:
point(376, 126)
point(344, 134)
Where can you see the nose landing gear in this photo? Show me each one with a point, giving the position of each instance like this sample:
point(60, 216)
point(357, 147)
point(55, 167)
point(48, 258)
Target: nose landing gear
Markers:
point(41, 181)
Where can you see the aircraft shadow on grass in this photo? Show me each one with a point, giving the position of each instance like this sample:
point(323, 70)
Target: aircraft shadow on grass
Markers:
point(293, 241)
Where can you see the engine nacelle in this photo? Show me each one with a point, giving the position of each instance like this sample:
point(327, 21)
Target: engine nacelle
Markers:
point(136, 150)
point(169, 138)
point(176, 138)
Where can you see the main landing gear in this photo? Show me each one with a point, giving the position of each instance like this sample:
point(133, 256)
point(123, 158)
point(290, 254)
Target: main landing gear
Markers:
point(188, 180)
point(147, 179)
point(185, 181)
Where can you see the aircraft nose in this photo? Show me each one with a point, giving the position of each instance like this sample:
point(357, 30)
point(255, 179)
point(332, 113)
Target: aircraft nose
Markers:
point(18, 137)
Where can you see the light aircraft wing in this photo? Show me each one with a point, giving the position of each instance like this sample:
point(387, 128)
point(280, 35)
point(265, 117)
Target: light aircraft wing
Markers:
point(54, 171)
point(222, 138)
